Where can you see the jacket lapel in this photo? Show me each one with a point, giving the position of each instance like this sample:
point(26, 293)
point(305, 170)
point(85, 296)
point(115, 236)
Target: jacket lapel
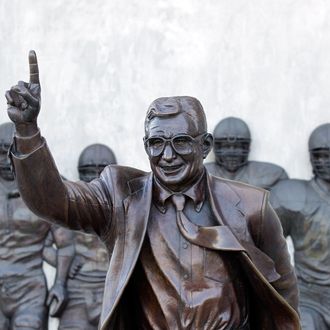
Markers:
point(225, 204)
point(131, 222)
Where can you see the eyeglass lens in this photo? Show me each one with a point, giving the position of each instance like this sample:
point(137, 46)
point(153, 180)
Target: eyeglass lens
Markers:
point(181, 144)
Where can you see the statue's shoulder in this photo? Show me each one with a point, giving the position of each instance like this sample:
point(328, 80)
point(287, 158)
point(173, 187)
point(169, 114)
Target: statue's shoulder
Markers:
point(267, 169)
point(262, 174)
point(291, 194)
point(289, 186)
point(121, 181)
point(118, 173)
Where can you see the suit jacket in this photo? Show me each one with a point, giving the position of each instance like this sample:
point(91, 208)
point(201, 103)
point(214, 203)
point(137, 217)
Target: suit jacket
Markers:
point(116, 207)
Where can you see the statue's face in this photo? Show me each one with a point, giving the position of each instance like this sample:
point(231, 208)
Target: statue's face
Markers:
point(231, 154)
point(175, 150)
point(5, 168)
point(320, 159)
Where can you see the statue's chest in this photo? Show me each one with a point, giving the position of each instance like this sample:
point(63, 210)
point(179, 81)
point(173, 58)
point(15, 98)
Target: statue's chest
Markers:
point(312, 234)
point(316, 217)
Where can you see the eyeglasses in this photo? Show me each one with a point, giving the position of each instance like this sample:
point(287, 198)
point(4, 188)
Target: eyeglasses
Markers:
point(182, 144)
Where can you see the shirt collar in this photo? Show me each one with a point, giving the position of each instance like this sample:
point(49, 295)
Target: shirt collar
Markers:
point(196, 193)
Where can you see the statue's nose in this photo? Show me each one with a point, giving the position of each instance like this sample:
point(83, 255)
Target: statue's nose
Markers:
point(168, 153)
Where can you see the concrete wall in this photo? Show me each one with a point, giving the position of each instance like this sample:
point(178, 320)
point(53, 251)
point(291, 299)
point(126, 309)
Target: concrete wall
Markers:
point(103, 62)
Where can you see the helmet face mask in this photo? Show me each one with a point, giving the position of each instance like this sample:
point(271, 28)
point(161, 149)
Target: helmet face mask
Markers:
point(6, 136)
point(231, 154)
point(90, 172)
point(232, 139)
point(6, 172)
point(319, 149)
point(92, 161)
point(320, 159)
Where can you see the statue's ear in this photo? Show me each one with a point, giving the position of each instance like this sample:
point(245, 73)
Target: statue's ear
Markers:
point(207, 144)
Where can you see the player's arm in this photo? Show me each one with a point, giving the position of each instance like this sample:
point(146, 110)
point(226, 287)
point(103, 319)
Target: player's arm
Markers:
point(282, 199)
point(49, 252)
point(273, 243)
point(64, 242)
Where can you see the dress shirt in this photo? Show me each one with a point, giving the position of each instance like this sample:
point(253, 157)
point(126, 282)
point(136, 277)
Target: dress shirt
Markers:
point(182, 285)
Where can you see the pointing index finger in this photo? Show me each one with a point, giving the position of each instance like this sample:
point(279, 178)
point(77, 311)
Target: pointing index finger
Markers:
point(34, 71)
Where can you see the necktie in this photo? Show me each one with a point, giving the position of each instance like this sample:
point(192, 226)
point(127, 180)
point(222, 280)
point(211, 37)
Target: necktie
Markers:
point(215, 237)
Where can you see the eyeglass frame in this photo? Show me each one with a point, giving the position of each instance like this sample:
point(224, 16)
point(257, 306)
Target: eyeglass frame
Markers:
point(170, 140)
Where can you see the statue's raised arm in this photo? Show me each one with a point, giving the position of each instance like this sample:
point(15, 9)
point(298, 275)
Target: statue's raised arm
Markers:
point(38, 179)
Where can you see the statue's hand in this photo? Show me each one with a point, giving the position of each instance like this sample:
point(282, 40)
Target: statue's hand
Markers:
point(24, 100)
point(57, 299)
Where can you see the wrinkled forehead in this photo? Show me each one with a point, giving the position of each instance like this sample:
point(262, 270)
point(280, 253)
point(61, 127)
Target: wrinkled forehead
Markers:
point(171, 125)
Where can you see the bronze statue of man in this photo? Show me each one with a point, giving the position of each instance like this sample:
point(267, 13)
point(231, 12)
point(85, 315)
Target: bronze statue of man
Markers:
point(189, 250)
point(23, 288)
point(89, 268)
point(304, 209)
point(232, 140)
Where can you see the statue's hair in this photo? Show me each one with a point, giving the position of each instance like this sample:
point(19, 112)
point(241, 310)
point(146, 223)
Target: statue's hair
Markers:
point(174, 105)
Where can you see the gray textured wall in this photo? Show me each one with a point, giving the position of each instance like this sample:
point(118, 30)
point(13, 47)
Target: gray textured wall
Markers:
point(103, 62)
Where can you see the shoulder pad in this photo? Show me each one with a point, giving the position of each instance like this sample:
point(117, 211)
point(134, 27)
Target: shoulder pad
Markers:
point(290, 194)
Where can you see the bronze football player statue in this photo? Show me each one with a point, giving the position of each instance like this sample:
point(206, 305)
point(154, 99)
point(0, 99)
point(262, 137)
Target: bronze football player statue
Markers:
point(23, 289)
point(232, 140)
point(89, 268)
point(304, 209)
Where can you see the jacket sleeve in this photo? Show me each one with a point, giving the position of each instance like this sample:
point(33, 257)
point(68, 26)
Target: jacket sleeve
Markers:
point(273, 243)
point(78, 206)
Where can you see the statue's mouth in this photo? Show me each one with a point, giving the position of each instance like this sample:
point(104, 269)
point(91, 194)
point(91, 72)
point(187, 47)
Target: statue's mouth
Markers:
point(169, 169)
